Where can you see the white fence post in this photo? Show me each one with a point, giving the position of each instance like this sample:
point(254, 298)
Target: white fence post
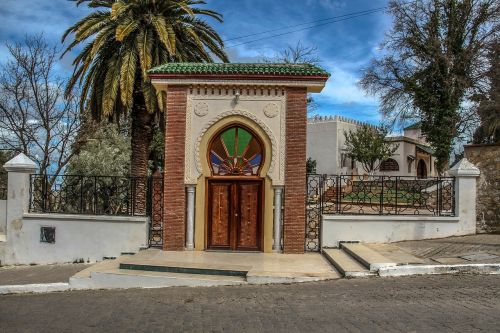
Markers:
point(466, 175)
point(18, 190)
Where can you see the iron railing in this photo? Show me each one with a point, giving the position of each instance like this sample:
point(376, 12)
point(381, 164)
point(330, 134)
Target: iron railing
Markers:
point(374, 195)
point(3, 192)
point(92, 195)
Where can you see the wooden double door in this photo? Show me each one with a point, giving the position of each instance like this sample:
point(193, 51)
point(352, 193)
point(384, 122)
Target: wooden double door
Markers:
point(235, 215)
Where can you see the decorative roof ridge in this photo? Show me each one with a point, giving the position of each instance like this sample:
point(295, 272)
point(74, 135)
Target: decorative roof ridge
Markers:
point(335, 118)
point(272, 69)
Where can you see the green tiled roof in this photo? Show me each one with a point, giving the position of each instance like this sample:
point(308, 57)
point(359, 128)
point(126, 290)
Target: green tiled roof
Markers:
point(427, 149)
point(239, 68)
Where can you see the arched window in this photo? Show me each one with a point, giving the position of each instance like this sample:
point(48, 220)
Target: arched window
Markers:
point(235, 151)
point(389, 165)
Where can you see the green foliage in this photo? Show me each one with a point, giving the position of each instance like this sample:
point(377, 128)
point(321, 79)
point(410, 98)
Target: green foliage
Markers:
point(367, 145)
point(128, 37)
point(120, 40)
point(310, 166)
point(157, 149)
point(105, 153)
point(432, 62)
point(489, 103)
point(5, 156)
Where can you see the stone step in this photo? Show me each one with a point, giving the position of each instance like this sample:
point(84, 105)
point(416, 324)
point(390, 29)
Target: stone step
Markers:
point(345, 264)
point(116, 278)
point(366, 256)
point(185, 268)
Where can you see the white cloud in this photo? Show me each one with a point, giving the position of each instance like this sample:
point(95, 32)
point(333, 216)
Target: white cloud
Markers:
point(342, 87)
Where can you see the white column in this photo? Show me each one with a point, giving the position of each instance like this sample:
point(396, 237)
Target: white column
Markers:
point(277, 219)
point(466, 175)
point(190, 218)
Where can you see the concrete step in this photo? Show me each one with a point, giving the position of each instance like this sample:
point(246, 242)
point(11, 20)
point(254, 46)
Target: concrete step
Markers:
point(184, 268)
point(396, 254)
point(366, 256)
point(115, 278)
point(345, 264)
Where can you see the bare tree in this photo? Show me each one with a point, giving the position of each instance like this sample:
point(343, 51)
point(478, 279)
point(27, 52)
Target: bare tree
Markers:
point(298, 54)
point(35, 116)
point(433, 60)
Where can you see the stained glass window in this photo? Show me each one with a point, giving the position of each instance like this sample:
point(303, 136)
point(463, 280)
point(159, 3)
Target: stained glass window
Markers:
point(235, 152)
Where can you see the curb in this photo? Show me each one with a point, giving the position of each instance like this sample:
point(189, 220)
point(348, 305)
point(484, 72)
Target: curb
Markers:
point(409, 270)
point(34, 288)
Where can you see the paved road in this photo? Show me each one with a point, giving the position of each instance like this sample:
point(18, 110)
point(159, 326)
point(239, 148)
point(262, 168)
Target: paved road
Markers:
point(417, 304)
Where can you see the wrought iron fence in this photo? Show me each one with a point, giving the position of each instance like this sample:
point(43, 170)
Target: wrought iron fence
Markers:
point(374, 195)
point(155, 209)
point(94, 195)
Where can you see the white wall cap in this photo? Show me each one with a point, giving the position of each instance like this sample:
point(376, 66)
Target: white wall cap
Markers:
point(464, 168)
point(20, 163)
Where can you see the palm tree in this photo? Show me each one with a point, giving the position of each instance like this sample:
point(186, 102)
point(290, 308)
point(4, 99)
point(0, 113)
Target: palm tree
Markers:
point(125, 38)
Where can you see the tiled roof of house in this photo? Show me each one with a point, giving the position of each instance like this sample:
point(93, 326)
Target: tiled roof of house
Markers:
point(427, 149)
point(277, 69)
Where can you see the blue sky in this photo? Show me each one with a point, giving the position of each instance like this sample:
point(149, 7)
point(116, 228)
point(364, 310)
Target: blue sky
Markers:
point(344, 48)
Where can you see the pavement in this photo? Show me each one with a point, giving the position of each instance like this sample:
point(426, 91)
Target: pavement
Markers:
point(437, 256)
point(472, 249)
point(19, 275)
point(451, 303)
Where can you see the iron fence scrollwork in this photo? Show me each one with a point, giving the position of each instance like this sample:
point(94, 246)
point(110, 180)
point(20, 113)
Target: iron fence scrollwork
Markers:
point(374, 195)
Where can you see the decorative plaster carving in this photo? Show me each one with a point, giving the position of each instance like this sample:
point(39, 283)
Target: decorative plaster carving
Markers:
point(201, 109)
point(188, 157)
point(271, 110)
point(253, 100)
point(281, 169)
point(272, 173)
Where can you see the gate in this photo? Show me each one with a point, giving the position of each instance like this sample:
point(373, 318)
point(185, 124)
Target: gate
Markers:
point(314, 211)
point(155, 210)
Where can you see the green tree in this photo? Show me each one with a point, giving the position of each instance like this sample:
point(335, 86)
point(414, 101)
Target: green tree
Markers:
point(124, 39)
point(489, 103)
point(106, 152)
point(310, 166)
point(432, 60)
point(368, 146)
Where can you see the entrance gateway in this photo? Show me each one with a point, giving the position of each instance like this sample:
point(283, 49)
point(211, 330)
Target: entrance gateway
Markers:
point(234, 209)
point(235, 155)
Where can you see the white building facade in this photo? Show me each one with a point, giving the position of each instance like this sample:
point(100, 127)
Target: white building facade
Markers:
point(326, 145)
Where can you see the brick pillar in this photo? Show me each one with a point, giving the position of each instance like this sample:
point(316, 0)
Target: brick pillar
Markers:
point(294, 222)
point(174, 211)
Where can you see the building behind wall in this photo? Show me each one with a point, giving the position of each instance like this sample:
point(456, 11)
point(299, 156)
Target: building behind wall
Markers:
point(326, 145)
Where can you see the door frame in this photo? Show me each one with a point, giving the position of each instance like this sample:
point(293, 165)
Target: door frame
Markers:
point(260, 214)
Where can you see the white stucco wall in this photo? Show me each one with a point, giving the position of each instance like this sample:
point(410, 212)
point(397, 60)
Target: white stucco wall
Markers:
point(387, 229)
point(77, 237)
point(384, 229)
point(325, 144)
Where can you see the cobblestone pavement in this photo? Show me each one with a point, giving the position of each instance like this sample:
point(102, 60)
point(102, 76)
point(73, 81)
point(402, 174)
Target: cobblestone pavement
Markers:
point(453, 247)
point(464, 303)
point(38, 274)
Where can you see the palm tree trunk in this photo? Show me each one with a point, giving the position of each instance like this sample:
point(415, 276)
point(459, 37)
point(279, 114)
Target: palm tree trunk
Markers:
point(142, 135)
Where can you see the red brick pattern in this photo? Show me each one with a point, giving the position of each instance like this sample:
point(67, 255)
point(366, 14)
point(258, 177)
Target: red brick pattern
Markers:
point(295, 171)
point(174, 213)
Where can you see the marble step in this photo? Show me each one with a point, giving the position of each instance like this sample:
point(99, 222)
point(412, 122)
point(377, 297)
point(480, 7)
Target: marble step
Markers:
point(345, 264)
point(367, 256)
